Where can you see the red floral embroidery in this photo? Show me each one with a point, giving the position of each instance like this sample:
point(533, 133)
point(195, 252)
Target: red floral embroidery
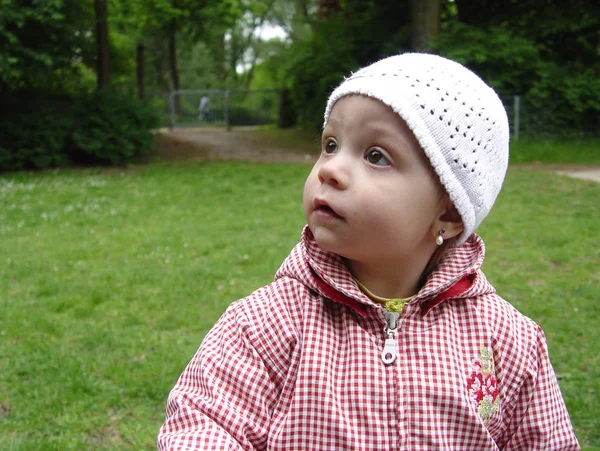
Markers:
point(483, 386)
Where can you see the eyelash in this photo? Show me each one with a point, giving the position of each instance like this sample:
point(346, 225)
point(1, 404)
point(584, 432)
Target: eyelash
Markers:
point(330, 141)
point(382, 155)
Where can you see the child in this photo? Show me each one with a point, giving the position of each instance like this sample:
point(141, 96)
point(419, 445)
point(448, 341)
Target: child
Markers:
point(380, 331)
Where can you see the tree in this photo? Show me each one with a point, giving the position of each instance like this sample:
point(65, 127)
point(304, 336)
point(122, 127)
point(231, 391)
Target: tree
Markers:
point(103, 64)
point(242, 44)
point(328, 7)
point(425, 23)
point(144, 23)
point(361, 32)
point(150, 24)
point(546, 51)
point(172, 52)
point(294, 17)
point(565, 31)
point(42, 44)
point(139, 64)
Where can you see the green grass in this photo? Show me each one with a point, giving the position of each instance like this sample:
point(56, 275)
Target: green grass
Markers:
point(109, 282)
point(533, 150)
point(110, 279)
point(544, 257)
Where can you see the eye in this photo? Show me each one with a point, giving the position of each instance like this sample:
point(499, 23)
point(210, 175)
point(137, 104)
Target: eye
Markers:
point(377, 158)
point(330, 146)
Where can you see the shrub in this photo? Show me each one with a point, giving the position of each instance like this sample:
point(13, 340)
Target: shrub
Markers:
point(34, 131)
point(287, 113)
point(113, 129)
point(40, 130)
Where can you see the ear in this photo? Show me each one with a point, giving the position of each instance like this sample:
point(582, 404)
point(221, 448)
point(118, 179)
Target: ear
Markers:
point(449, 220)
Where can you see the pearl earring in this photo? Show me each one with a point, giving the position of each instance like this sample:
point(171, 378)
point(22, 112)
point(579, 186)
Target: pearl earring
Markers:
point(440, 239)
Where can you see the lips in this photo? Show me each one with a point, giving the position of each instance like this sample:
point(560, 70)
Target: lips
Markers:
point(324, 210)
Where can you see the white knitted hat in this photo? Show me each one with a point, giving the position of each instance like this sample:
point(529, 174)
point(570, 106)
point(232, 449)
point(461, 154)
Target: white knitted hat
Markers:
point(458, 120)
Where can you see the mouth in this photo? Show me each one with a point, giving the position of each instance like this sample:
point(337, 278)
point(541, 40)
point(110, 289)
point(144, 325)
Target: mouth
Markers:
point(322, 209)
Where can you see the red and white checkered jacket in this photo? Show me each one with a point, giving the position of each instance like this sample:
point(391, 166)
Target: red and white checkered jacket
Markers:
point(298, 365)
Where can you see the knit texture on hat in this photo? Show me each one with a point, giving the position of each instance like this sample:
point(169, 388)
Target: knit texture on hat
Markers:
point(458, 120)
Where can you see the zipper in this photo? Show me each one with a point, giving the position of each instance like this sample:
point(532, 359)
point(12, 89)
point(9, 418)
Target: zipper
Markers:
point(388, 354)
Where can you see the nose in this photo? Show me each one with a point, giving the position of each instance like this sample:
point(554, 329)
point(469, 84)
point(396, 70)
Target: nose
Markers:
point(334, 171)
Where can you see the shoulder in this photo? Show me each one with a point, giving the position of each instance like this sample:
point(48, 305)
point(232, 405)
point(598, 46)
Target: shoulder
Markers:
point(284, 297)
point(505, 320)
point(273, 313)
point(515, 335)
point(267, 323)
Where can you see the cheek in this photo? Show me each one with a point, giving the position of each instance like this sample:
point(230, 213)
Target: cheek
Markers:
point(397, 209)
point(308, 192)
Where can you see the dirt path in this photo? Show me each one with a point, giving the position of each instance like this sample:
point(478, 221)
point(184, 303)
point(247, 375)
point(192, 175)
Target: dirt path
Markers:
point(592, 174)
point(218, 144)
point(245, 144)
point(578, 171)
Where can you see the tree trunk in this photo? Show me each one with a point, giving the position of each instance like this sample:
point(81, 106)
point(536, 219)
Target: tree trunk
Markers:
point(173, 64)
point(103, 67)
point(218, 52)
point(140, 71)
point(303, 7)
point(327, 7)
point(158, 58)
point(425, 23)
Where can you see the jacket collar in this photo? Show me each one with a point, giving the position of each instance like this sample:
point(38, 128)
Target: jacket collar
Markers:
point(458, 275)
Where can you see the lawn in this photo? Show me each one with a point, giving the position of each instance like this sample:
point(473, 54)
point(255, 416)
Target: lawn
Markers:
point(110, 279)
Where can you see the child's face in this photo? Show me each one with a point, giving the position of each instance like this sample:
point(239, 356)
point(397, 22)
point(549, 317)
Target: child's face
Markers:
point(372, 197)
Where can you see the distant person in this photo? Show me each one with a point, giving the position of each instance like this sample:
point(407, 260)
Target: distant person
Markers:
point(380, 330)
point(204, 108)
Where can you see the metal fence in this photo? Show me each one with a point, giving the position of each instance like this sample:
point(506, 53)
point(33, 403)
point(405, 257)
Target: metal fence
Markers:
point(223, 108)
point(546, 121)
point(237, 107)
point(512, 104)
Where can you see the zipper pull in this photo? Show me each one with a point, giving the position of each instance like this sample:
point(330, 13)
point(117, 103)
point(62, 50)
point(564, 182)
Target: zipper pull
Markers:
point(388, 355)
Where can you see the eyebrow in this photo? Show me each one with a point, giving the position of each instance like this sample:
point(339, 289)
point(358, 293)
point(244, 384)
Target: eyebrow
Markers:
point(332, 121)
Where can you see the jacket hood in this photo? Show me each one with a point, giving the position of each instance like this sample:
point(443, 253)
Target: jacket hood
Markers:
point(458, 275)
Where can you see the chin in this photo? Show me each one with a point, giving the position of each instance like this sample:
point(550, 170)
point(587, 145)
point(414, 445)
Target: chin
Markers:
point(331, 246)
point(325, 240)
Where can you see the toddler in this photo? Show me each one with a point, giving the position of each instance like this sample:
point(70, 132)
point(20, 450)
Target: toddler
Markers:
point(380, 331)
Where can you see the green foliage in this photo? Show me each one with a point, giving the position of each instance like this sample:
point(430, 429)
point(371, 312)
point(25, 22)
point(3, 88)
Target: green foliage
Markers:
point(547, 54)
point(39, 131)
point(255, 108)
point(287, 114)
point(565, 98)
point(270, 73)
point(201, 68)
point(563, 32)
point(512, 65)
point(113, 129)
point(558, 97)
point(356, 35)
point(41, 42)
point(311, 83)
point(34, 131)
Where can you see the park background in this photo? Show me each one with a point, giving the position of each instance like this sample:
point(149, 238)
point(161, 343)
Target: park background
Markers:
point(122, 240)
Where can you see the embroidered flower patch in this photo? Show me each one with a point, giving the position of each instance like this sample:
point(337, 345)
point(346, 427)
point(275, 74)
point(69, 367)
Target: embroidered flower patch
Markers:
point(482, 385)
